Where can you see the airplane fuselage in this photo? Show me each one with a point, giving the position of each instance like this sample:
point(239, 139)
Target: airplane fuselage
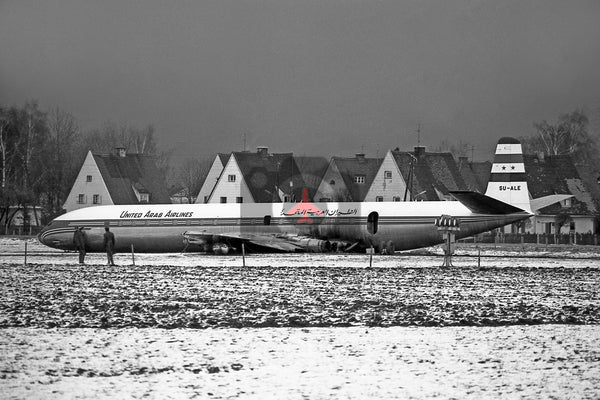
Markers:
point(163, 228)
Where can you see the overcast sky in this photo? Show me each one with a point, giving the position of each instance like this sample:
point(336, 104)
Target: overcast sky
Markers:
point(317, 77)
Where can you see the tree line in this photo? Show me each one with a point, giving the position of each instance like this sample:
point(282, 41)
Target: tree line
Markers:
point(41, 153)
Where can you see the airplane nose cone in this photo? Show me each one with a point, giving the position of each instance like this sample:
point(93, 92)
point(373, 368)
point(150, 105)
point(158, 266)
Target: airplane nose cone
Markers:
point(40, 236)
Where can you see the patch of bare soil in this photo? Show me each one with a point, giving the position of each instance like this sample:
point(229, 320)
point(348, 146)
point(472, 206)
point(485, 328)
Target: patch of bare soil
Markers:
point(199, 297)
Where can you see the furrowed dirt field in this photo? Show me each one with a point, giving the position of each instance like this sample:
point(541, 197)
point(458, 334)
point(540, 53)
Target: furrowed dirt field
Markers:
point(73, 296)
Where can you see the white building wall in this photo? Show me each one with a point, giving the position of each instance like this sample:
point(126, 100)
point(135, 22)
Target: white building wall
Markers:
point(332, 185)
point(583, 224)
point(231, 190)
point(210, 181)
point(88, 189)
point(388, 188)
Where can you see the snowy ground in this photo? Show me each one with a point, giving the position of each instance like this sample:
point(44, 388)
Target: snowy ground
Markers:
point(300, 326)
point(534, 362)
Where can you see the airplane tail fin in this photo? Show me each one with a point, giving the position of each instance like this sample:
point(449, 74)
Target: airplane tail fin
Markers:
point(508, 182)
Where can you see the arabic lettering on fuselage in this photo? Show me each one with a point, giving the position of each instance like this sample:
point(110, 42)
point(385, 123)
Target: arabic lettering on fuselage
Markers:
point(150, 214)
point(326, 212)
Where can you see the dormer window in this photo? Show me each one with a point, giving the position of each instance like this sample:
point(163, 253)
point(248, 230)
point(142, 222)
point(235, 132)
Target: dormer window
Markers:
point(231, 178)
point(387, 175)
point(567, 203)
point(88, 178)
point(144, 197)
point(359, 179)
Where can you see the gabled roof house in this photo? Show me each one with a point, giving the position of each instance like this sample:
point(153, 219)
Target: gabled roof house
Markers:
point(558, 174)
point(120, 178)
point(212, 177)
point(429, 176)
point(259, 177)
point(348, 178)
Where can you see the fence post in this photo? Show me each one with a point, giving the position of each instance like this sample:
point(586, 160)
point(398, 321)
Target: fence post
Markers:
point(243, 255)
point(25, 260)
point(132, 255)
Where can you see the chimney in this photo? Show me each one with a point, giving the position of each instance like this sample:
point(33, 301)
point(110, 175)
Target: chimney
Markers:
point(262, 150)
point(121, 151)
point(360, 157)
point(419, 151)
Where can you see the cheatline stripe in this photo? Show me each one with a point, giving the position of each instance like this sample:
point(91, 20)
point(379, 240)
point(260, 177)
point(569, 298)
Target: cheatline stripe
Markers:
point(57, 230)
point(504, 177)
point(509, 149)
point(390, 220)
point(512, 168)
point(508, 158)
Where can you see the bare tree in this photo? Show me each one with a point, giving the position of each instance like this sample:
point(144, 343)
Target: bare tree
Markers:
point(191, 176)
point(459, 149)
point(3, 143)
point(569, 135)
point(62, 159)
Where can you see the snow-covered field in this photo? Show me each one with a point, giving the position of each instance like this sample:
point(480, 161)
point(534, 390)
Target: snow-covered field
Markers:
point(300, 325)
point(532, 362)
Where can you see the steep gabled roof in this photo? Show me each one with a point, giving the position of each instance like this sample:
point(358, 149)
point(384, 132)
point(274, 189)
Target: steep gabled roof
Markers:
point(475, 174)
point(312, 170)
point(557, 174)
point(266, 175)
point(435, 174)
point(122, 174)
point(224, 157)
point(353, 166)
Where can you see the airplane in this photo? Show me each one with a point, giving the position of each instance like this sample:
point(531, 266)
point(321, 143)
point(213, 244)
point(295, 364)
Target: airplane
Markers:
point(307, 227)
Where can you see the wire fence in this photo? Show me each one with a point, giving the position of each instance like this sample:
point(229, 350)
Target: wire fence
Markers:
point(535, 238)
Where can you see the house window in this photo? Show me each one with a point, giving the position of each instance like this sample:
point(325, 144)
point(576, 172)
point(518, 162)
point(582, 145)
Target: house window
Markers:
point(379, 198)
point(97, 199)
point(572, 226)
point(239, 199)
point(231, 178)
point(88, 178)
point(387, 174)
point(144, 197)
point(223, 199)
point(567, 203)
point(359, 179)
point(81, 198)
point(332, 182)
point(396, 198)
point(286, 198)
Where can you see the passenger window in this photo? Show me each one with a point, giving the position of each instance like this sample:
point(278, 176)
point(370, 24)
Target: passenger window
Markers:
point(267, 220)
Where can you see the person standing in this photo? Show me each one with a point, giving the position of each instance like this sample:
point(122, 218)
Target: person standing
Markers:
point(79, 240)
point(109, 245)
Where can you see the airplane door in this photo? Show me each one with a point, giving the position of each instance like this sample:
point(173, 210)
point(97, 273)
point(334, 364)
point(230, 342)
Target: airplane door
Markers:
point(372, 222)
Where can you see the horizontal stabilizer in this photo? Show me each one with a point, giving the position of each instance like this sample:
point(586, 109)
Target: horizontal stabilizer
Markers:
point(546, 201)
point(482, 204)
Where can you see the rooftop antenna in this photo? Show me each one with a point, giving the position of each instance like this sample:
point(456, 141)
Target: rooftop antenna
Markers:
point(472, 150)
point(244, 141)
point(418, 134)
